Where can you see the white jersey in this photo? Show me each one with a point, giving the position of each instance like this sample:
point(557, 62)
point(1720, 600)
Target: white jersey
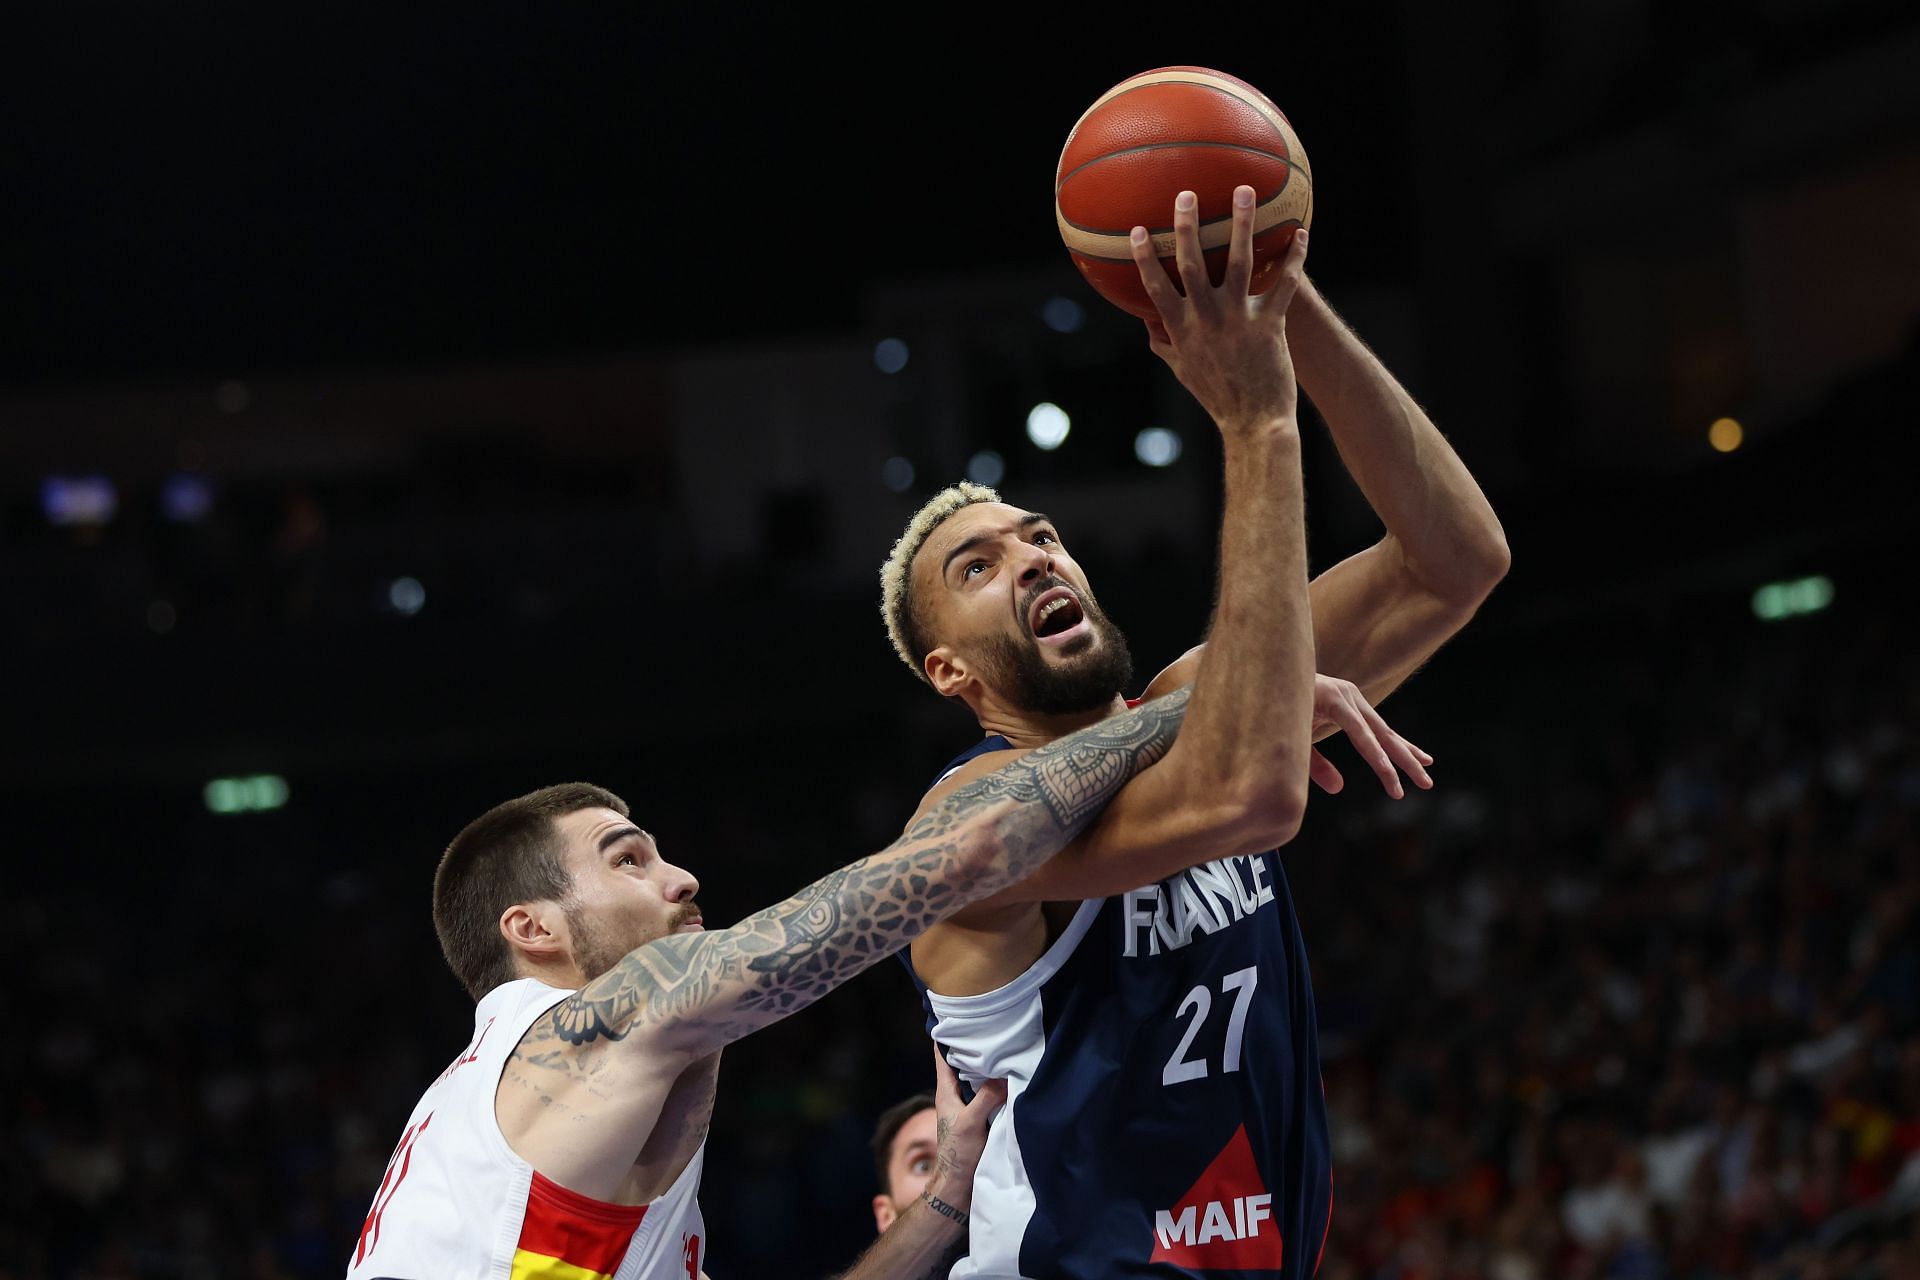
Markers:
point(457, 1202)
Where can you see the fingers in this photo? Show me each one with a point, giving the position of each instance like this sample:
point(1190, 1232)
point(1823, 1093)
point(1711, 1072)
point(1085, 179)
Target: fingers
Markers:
point(1239, 275)
point(1324, 775)
point(1293, 269)
point(1411, 759)
point(1153, 278)
point(946, 1085)
point(990, 1096)
point(1361, 734)
point(1187, 255)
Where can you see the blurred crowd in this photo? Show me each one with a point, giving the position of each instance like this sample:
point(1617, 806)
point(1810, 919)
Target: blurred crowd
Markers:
point(1651, 1009)
point(1635, 993)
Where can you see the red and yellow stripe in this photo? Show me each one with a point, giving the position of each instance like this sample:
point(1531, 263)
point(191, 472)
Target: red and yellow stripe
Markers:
point(568, 1236)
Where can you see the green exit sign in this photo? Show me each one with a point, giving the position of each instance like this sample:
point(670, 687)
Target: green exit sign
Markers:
point(1779, 600)
point(257, 794)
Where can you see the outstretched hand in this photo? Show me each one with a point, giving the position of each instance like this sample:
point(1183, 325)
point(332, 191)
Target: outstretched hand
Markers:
point(1340, 707)
point(1227, 346)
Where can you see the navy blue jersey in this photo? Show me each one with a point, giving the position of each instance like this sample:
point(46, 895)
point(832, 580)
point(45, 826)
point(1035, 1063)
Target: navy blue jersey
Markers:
point(1165, 1114)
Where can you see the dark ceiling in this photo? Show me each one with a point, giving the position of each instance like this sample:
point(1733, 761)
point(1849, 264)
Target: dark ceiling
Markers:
point(197, 190)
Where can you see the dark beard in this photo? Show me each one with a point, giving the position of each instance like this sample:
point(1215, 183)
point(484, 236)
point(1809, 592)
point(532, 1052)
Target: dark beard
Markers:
point(597, 951)
point(1017, 670)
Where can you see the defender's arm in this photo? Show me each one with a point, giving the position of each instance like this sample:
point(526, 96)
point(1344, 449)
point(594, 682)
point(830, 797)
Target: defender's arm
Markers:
point(689, 994)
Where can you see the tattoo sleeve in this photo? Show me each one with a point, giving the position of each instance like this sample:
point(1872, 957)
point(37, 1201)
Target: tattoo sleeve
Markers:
point(699, 992)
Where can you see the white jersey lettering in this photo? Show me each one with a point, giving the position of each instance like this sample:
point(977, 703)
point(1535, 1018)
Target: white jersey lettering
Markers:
point(1198, 901)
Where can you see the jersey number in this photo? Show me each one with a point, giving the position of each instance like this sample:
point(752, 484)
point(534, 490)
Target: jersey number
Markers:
point(1179, 1067)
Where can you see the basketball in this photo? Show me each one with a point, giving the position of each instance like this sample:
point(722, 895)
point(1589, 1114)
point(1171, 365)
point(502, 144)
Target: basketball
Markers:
point(1162, 132)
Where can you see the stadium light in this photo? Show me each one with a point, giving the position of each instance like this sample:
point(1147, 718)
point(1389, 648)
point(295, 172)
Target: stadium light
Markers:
point(407, 596)
point(986, 467)
point(1063, 315)
point(1048, 425)
point(71, 500)
point(1157, 447)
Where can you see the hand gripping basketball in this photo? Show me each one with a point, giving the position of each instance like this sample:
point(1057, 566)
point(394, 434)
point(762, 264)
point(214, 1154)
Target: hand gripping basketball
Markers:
point(1226, 345)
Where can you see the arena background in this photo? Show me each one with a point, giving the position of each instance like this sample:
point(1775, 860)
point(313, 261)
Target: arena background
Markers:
point(402, 410)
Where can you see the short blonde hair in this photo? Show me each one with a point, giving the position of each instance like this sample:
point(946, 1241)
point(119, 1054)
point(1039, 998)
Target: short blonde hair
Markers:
point(896, 575)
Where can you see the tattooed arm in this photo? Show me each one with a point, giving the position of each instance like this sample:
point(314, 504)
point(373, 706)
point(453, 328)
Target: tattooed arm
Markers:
point(930, 1235)
point(590, 1082)
point(693, 993)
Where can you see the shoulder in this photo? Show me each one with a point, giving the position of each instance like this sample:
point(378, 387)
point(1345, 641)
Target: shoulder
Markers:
point(1175, 675)
point(973, 765)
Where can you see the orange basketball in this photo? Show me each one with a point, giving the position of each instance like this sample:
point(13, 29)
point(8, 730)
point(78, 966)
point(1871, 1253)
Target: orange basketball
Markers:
point(1162, 132)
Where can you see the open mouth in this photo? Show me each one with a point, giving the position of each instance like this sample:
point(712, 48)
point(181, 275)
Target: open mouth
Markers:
point(1056, 617)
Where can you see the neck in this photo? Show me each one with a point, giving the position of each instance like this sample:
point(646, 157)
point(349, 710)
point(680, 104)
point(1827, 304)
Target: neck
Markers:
point(563, 975)
point(1028, 729)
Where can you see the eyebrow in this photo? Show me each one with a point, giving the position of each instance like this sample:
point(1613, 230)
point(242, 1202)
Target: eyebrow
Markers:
point(1025, 522)
point(618, 834)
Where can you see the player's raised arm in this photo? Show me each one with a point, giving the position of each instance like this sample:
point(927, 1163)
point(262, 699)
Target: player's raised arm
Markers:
point(686, 995)
point(1236, 781)
point(1381, 613)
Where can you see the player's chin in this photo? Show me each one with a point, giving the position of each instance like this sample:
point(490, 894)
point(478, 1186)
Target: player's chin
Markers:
point(1073, 647)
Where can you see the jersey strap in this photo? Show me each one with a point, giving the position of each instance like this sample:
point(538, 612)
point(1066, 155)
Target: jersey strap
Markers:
point(993, 742)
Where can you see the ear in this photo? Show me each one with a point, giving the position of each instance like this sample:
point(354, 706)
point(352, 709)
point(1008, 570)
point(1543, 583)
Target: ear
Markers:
point(537, 930)
point(946, 671)
point(883, 1214)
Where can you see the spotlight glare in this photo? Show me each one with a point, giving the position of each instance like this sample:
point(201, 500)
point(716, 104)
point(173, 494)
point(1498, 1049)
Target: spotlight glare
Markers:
point(1048, 425)
point(1725, 435)
point(71, 500)
point(187, 498)
point(1157, 447)
point(897, 474)
point(890, 355)
point(407, 596)
point(1063, 315)
point(986, 467)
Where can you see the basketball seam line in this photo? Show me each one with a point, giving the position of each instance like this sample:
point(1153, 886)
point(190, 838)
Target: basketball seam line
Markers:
point(1195, 82)
point(1288, 161)
point(1160, 231)
point(1095, 257)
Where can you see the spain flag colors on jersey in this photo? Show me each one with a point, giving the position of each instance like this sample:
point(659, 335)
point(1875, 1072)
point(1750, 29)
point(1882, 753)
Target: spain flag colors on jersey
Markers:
point(567, 1236)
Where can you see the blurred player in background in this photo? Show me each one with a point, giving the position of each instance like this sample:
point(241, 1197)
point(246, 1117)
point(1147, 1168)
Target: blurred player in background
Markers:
point(926, 1149)
point(567, 1137)
point(1147, 992)
point(905, 1143)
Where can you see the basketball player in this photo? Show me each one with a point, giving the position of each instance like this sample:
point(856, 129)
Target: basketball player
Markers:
point(1146, 993)
point(928, 1147)
point(566, 1139)
point(905, 1143)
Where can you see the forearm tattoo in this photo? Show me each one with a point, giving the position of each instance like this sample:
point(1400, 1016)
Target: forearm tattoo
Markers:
point(941, 1207)
point(984, 836)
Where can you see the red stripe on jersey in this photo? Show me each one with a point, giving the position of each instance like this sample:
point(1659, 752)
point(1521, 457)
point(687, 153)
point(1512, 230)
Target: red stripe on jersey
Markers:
point(588, 1233)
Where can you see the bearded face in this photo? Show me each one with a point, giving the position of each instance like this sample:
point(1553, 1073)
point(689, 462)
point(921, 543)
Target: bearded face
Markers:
point(1077, 659)
point(1007, 605)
